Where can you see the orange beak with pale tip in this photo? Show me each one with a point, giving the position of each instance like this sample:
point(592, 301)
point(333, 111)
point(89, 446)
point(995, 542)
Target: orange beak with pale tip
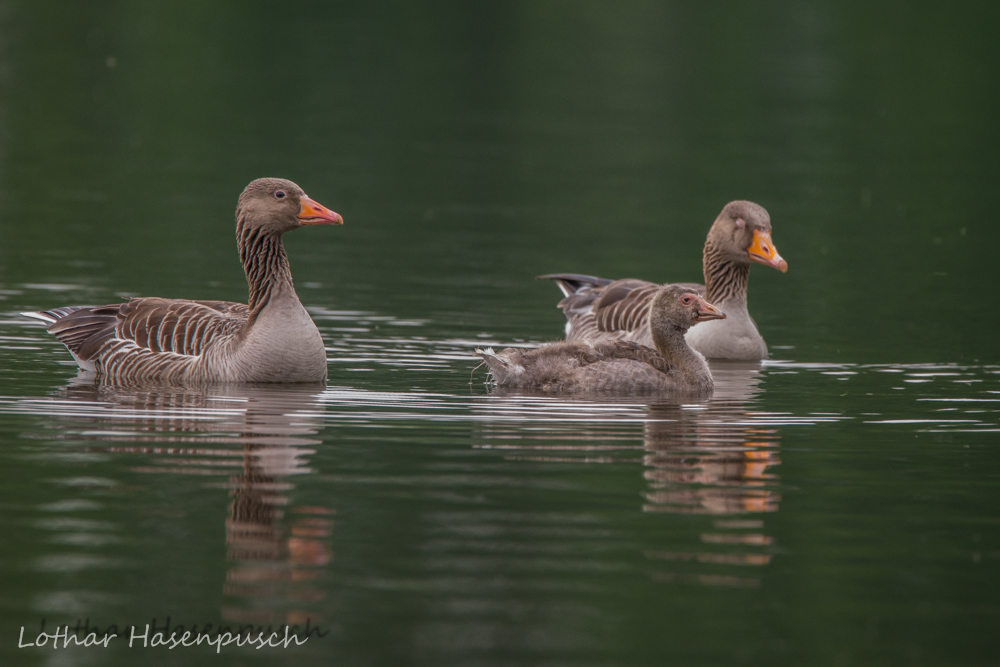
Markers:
point(707, 311)
point(763, 251)
point(314, 213)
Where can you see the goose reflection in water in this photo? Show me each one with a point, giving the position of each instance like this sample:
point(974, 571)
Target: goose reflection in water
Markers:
point(275, 555)
point(713, 456)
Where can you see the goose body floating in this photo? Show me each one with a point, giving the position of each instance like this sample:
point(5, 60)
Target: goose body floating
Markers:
point(270, 339)
point(618, 365)
point(599, 309)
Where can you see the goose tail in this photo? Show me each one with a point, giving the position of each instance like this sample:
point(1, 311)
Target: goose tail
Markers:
point(571, 283)
point(503, 366)
point(41, 317)
point(50, 317)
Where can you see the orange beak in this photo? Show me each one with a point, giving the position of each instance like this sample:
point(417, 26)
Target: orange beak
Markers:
point(707, 311)
point(314, 213)
point(763, 251)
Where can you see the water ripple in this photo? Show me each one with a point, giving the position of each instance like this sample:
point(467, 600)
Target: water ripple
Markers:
point(718, 457)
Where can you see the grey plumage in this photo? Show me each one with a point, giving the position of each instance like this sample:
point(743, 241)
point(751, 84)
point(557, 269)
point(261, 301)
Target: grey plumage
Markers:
point(617, 365)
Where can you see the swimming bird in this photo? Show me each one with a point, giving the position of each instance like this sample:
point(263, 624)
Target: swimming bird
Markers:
point(269, 339)
point(618, 365)
point(601, 309)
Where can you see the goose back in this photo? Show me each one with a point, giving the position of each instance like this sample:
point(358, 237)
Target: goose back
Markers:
point(576, 366)
point(147, 338)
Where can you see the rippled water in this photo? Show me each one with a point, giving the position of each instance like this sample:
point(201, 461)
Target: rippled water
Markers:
point(451, 522)
point(834, 505)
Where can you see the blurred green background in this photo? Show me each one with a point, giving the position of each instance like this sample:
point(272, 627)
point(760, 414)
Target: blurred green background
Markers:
point(471, 146)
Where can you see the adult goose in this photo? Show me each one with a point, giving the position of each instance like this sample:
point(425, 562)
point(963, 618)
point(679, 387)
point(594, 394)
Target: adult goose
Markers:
point(600, 309)
point(270, 339)
point(618, 365)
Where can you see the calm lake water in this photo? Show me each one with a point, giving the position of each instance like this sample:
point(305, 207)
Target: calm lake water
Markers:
point(838, 504)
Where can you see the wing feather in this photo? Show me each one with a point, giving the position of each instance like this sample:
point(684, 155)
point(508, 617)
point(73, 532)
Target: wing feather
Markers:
point(598, 309)
point(179, 326)
point(153, 324)
point(624, 306)
point(83, 329)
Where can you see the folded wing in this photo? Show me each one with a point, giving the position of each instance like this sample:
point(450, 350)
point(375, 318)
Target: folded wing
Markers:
point(599, 309)
point(154, 324)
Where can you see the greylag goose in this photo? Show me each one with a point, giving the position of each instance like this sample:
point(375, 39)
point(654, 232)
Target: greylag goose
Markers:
point(601, 309)
point(618, 365)
point(270, 339)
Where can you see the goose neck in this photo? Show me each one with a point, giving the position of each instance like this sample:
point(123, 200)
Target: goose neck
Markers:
point(691, 366)
point(725, 280)
point(266, 266)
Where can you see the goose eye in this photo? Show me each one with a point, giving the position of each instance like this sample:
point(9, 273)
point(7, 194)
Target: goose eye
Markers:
point(686, 300)
point(740, 223)
point(280, 194)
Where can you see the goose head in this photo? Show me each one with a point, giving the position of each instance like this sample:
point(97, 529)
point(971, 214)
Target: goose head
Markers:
point(276, 205)
point(742, 232)
point(677, 309)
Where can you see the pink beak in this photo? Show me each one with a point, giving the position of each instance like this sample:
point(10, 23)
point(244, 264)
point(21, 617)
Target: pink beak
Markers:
point(707, 311)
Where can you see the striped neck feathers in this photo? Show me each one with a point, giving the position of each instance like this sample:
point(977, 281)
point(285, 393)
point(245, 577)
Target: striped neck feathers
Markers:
point(265, 264)
point(724, 278)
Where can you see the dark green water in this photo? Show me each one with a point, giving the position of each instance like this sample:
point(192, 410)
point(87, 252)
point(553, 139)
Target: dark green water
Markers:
point(837, 505)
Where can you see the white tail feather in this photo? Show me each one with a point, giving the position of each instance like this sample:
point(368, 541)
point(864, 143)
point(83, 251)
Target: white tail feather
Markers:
point(42, 317)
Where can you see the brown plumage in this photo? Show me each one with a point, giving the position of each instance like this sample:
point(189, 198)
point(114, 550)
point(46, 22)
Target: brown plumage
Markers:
point(618, 365)
point(271, 339)
point(601, 309)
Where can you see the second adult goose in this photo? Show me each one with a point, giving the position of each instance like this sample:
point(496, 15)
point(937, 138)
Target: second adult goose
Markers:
point(270, 339)
point(620, 366)
point(601, 309)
